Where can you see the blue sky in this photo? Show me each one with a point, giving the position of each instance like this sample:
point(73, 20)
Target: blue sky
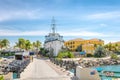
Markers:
point(74, 19)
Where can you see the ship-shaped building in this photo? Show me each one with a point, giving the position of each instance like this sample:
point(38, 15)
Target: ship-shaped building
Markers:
point(53, 41)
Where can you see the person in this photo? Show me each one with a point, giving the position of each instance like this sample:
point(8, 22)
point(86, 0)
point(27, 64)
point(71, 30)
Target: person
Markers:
point(31, 58)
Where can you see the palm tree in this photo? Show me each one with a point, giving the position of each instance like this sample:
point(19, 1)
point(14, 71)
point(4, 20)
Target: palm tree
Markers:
point(27, 45)
point(0, 44)
point(4, 43)
point(33, 45)
point(38, 44)
point(21, 43)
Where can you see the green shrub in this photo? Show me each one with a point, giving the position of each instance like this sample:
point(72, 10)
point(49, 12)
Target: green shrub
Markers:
point(60, 55)
point(89, 55)
point(1, 78)
point(100, 52)
point(70, 55)
point(65, 54)
point(114, 56)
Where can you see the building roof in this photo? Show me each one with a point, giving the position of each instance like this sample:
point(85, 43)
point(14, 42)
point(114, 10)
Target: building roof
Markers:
point(80, 39)
point(77, 39)
point(116, 42)
point(95, 39)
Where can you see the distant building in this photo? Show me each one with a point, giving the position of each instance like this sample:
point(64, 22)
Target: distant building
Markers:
point(87, 45)
point(53, 41)
point(88, 48)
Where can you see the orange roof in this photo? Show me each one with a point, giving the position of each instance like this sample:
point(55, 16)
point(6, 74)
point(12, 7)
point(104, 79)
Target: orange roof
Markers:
point(80, 39)
point(77, 39)
point(116, 42)
point(95, 39)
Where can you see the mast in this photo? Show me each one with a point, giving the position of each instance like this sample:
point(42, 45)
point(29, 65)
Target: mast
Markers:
point(53, 25)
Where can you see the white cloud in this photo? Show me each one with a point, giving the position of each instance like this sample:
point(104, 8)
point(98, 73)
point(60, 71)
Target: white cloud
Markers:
point(6, 32)
point(107, 15)
point(20, 14)
point(82, 33)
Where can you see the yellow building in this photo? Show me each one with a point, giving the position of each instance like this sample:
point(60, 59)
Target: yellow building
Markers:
point(87, 45)
point(88, 48)
point(73, 44)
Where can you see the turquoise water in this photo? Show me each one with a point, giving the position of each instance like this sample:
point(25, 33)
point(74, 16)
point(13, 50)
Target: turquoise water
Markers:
point(112, 68)
point(115, 68)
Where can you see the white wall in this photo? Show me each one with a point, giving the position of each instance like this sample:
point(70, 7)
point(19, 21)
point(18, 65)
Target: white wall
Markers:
point(56, 45)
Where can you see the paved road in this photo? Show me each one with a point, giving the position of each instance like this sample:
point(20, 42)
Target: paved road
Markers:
point(40, 70)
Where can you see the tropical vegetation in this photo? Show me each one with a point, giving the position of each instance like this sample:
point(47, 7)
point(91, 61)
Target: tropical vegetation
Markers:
point(4, 43)
point(65, 54)
point(1, 77)
point(43, 52)
point(100, 51)
point(27, 45)
point(36, 44)
point(114, 56)
point(114, 47)
point(79, 48)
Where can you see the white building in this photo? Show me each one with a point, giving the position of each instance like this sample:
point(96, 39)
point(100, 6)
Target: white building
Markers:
point(53, 41)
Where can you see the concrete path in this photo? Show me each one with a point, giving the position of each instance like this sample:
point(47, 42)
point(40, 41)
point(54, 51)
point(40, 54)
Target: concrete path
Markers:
point(40, 70)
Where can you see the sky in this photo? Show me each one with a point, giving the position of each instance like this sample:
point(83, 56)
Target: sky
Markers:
point(31, 19)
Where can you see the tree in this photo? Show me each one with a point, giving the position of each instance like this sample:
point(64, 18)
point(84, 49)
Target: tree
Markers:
point(21, 43)
point(34, 45)
point(95, 45)
point(1, 44)
point(43, 52)
point(100, 51)
point(4, 43)
point(114, 56)
point(79, 48)
point(27, 45)
point(110, 46)
point(38, 44)
point(113, 47)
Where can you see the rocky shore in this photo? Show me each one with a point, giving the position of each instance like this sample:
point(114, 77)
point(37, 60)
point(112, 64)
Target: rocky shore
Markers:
point(85, 63)
point(98, 62)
